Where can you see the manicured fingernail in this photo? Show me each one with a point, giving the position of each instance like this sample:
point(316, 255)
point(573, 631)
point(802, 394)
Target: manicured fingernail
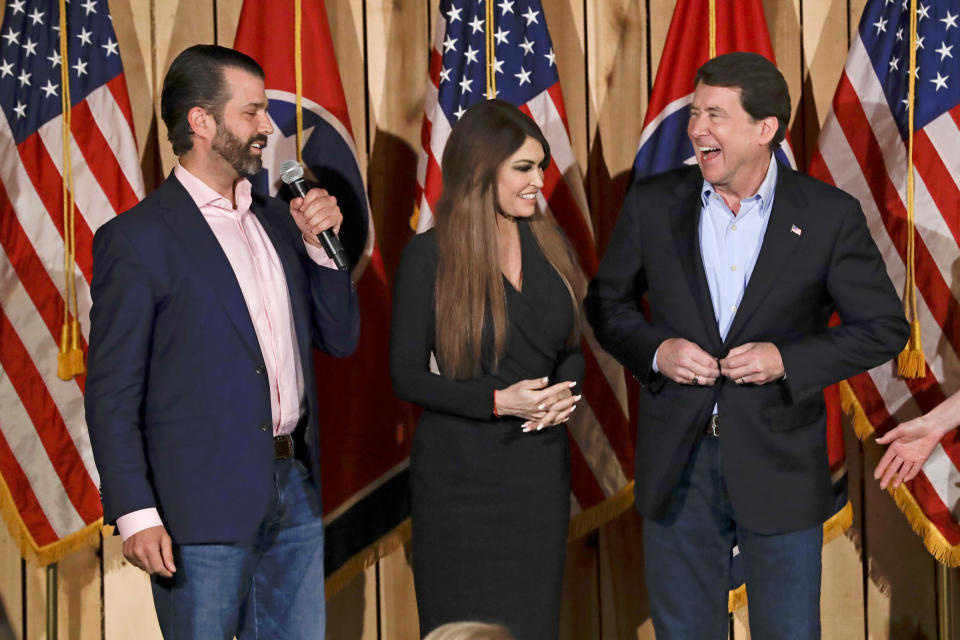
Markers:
point(572, 385)
point(527, 429)
point(539, 426)
point(541, 406)
point(577, 398)
point(545, 379)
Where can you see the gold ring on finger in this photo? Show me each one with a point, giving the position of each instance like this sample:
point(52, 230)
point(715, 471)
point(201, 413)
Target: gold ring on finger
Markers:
point(696, 379)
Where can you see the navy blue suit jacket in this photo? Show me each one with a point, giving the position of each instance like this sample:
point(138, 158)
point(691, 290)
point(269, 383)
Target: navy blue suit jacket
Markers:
point(177, 397)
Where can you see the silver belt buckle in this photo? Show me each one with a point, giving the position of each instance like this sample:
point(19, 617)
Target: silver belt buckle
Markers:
point(713, 426)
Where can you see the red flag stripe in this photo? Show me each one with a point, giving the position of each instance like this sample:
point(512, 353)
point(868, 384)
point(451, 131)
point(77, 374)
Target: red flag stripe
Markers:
point(47, 182)
point(42, 410)
point(24, 498)
point(852, 119)
point(118, 89)
point(101, 160)
point(606, 407)
point(584, 485)
point(33, 277)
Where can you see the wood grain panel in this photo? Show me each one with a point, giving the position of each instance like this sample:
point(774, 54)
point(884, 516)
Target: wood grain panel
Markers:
point(227, 14)
point(131, 22)
point(11, 591)
point(783, 23)
point(352, 612)
point(397, 58)
point(127, 602)
point(398, 603)
point(565, 23)
point(617, 74)
point(178, 24)
point(661, 12)
point(854, 11)
point(35, 594)
point(346, 29)
point(78, 596)
point(824, 43)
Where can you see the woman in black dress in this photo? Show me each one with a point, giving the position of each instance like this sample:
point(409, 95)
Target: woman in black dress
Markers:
point(493, 294)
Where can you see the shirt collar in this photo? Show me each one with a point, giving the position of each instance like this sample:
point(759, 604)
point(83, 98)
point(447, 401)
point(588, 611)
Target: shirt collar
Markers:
point(203, 195)
point(764, 193)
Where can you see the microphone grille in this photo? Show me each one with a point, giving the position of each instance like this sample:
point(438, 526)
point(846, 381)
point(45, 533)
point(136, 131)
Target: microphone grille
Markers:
point(291, 171)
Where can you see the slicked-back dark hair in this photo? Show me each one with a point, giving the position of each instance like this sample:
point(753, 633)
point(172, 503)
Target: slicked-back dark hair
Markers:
point(763, 90)
point(195, 79)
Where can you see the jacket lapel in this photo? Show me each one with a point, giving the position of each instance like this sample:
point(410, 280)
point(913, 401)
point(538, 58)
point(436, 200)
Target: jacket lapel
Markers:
point(685, 221)
point(779, 242)
point(209, 261)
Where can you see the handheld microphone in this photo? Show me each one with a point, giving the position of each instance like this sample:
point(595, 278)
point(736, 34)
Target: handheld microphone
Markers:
point(291, 172)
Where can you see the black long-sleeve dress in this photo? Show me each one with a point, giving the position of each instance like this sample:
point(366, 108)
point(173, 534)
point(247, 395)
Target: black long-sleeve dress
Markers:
point(490, 503)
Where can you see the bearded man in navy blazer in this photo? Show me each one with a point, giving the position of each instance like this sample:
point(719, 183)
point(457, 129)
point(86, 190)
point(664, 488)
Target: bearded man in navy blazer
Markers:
point(743, 261)
point(201, 398)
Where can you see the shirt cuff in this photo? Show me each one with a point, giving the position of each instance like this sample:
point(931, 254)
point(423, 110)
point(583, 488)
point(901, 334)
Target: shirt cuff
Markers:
point(319, 256)
point(137, 521)
point(656, 369)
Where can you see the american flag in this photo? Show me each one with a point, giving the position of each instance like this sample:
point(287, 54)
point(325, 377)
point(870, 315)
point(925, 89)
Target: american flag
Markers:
point(49, 478)
point(863, 149)
point(525, 70)
point(364, 445)
point(664, 145)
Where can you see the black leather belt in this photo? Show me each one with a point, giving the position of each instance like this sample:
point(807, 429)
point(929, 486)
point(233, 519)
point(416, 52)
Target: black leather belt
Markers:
point(713, 426)
point(282, 447)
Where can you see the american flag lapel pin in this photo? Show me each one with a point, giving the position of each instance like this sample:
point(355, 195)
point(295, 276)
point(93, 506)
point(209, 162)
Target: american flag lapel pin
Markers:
point(795, 229)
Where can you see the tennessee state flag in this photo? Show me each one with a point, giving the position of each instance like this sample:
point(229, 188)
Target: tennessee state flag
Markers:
point(364, 429)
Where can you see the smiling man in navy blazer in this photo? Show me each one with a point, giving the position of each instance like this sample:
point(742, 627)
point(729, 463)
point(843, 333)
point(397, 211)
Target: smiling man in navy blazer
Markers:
point(742, 261)
point(200, 398)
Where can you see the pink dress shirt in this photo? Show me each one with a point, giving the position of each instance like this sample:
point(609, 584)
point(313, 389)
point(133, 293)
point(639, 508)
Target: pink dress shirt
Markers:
point(260, 275)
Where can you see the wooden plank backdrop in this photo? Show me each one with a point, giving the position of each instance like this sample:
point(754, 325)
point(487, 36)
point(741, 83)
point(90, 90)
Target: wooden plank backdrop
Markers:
point(878, 581)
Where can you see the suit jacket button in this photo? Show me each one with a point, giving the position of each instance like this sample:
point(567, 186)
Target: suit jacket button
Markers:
point(261, 370)
point(264, 427)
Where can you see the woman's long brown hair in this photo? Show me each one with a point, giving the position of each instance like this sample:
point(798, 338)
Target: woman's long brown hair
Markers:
point(469, 286)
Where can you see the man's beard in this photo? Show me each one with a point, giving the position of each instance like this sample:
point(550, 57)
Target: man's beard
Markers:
point(237, 152)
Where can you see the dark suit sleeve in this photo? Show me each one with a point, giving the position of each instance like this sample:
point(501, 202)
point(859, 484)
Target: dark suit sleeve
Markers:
point(874, 328)
point(613, 297)
point(411, 343)
point(336, 318)
point(121, 329)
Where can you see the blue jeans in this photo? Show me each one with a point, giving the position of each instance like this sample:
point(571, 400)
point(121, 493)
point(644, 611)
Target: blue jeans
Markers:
point(268, 587)
point(687, 564)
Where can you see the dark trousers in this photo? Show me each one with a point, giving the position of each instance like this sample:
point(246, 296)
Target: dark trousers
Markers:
point(687, 558)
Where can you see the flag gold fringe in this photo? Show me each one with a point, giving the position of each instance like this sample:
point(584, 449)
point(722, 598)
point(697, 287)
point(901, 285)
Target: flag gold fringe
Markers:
point(938, 546)
point(85, 538)
point(600, 514)
point(383, 547)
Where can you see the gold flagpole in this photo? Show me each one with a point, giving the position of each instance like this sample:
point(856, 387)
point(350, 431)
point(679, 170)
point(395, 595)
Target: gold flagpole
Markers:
point(911, 362)
point(298, 71)
point(491, 54)
point(713, 29)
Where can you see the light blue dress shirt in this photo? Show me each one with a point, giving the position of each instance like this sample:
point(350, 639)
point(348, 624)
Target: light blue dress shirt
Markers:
point(729, 246)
